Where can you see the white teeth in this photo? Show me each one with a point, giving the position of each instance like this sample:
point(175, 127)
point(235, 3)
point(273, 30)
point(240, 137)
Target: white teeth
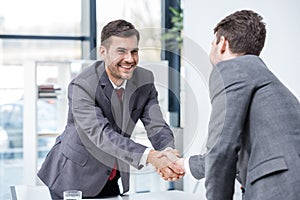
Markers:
point(127, 67)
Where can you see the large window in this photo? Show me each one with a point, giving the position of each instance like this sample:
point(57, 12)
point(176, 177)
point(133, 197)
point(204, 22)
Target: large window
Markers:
point(145, 15)
point(27, 34)
point(19, 52)
point(49, 32)
point(35, 17)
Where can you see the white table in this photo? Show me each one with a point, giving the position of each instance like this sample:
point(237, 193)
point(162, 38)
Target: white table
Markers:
point(172, 195)
point(26, 192)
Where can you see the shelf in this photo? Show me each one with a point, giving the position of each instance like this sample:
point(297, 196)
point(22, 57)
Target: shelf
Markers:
point(48, 134)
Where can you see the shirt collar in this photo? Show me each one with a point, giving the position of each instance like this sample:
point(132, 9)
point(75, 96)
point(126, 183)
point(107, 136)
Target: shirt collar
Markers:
point(121, 86)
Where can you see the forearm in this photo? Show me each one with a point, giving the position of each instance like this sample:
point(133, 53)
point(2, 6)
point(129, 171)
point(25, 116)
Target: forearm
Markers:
point(96, 131)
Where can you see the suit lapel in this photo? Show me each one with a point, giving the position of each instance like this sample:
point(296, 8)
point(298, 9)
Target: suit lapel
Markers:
point(128, 104)
point(104, 81)
point(104, 93)
point(109, 100)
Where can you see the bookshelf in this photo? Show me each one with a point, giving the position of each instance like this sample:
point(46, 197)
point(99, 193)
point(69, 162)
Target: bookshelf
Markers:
point(46, 83)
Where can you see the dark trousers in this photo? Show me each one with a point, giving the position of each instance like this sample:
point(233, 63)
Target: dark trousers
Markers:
point(110, 189)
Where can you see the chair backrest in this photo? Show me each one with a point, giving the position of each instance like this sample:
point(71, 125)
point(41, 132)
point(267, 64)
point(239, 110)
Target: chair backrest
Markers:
point(28, 192)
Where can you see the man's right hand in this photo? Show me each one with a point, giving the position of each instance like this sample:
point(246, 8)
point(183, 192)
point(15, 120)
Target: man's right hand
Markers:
point(166, 164)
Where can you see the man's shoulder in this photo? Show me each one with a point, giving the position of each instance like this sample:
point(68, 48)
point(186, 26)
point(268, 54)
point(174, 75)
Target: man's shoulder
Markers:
point(89, 75)
point(244, 62)
point(93, 69)
point(241, 67)
point(143, 75)
point(143, 71)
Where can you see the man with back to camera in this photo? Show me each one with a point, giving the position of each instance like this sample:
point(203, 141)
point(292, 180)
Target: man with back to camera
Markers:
point(254, 128)
point(105, 102)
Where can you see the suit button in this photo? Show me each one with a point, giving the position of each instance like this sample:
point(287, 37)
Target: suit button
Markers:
point(108, 172)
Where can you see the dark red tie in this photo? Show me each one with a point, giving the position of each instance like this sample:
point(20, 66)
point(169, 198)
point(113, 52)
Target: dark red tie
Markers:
point(113, 173)
point(119, 93)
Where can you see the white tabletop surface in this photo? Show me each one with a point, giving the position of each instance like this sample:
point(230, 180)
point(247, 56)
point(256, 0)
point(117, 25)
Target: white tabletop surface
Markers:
point(172, 195)
point(36, 192)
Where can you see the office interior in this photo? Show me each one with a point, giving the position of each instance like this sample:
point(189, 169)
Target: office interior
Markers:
point(44, 44)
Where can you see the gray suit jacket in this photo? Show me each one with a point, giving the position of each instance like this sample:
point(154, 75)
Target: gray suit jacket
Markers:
point(97, 134)
point(254, 134)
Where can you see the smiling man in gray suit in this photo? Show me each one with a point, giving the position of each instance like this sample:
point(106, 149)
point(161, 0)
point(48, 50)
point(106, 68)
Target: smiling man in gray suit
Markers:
point(254, 129)
point(105, 102)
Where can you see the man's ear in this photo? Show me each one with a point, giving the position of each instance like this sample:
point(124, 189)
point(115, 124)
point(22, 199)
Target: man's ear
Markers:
point(102, 51)
point(223, 44)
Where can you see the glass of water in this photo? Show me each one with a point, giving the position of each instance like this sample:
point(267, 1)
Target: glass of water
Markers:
point(72, 195)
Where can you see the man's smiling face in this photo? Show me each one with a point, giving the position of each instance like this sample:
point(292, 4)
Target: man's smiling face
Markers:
point(121, 57)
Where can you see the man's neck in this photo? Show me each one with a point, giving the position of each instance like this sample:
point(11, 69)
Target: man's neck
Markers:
point(121, 83)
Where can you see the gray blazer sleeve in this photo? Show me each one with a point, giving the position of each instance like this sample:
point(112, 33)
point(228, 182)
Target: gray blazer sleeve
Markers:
point(197, 166)
point(95, 130)
point(158, 131)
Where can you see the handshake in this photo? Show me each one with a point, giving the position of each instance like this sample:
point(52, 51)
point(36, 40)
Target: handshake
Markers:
point(168, 163)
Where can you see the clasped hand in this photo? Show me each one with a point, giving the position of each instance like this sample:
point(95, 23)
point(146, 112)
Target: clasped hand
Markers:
point(168, 163)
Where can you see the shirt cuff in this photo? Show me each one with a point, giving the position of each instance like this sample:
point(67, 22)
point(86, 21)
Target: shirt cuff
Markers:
point(187, 165)
point(143, 160)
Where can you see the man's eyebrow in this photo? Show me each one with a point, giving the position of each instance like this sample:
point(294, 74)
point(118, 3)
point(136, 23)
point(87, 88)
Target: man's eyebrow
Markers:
point(122, 48)
point(135, 49)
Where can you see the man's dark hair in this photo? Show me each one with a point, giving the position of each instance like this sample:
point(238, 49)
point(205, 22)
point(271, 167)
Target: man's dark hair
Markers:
point(244, 30)
point(119, 28)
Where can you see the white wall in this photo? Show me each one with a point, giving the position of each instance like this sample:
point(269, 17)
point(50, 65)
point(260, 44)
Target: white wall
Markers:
point(280, 54)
